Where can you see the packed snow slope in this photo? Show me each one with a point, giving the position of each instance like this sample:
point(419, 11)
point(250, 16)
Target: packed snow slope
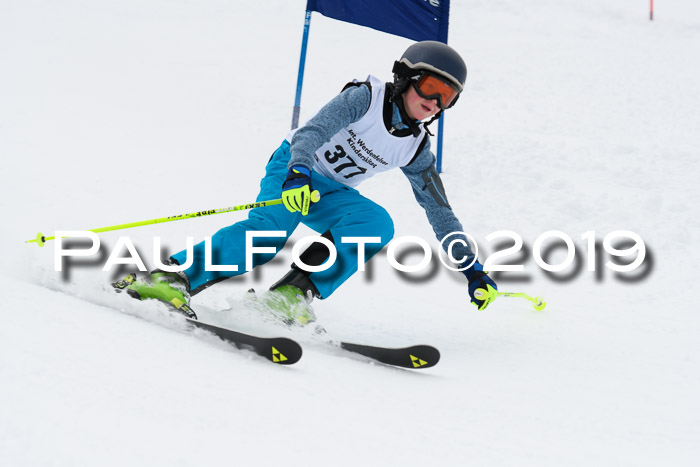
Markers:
point(577, 117)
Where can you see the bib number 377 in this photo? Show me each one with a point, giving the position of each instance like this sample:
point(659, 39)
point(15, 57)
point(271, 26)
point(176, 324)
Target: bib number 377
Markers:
point(342, 161)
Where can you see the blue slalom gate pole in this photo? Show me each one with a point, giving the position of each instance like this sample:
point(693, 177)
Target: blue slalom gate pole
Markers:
point(300, 77)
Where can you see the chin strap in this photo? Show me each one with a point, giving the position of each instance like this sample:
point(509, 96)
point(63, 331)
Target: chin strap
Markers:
point(435, 117)
point(397, 90)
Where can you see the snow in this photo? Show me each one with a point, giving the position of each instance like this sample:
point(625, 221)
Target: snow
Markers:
point(577, 117)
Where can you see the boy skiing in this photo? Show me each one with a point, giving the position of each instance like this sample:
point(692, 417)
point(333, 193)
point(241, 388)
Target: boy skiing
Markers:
point(370, 127)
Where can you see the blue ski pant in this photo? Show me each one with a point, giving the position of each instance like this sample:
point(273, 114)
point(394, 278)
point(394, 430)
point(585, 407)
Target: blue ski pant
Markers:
point(341, 212)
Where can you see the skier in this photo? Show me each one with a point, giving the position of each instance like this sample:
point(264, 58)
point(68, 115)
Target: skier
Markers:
point(368, 128)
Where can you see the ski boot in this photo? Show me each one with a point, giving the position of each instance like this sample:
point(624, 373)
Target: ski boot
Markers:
point(168, 287)
point(289, 299)
point(289, 304)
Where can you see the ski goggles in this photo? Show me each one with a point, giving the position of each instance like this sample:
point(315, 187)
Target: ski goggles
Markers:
point(430, 86)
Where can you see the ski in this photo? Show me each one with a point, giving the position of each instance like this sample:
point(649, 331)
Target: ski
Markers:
point(279, 350)
point(413, 357)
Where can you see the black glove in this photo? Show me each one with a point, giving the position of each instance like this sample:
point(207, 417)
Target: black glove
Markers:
point(482, 289)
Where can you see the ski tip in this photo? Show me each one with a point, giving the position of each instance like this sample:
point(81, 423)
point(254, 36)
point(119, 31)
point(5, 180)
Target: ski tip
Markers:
point(424, 356)
point(284, 351)
point(280, 350)
point(414, 357)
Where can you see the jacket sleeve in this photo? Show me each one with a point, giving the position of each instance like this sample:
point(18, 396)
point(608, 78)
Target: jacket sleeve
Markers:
point(347, 107)
point(430, 194)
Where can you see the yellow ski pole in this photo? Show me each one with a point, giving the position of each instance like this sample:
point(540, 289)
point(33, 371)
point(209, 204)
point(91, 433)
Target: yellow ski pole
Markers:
point(41, 239)
point(538, 303)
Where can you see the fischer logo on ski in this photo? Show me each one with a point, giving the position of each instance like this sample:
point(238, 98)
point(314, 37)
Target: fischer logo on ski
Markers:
point(417, 362)
point(277, 357)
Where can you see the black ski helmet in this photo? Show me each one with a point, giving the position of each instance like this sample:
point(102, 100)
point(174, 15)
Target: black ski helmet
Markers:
point(431, 56)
